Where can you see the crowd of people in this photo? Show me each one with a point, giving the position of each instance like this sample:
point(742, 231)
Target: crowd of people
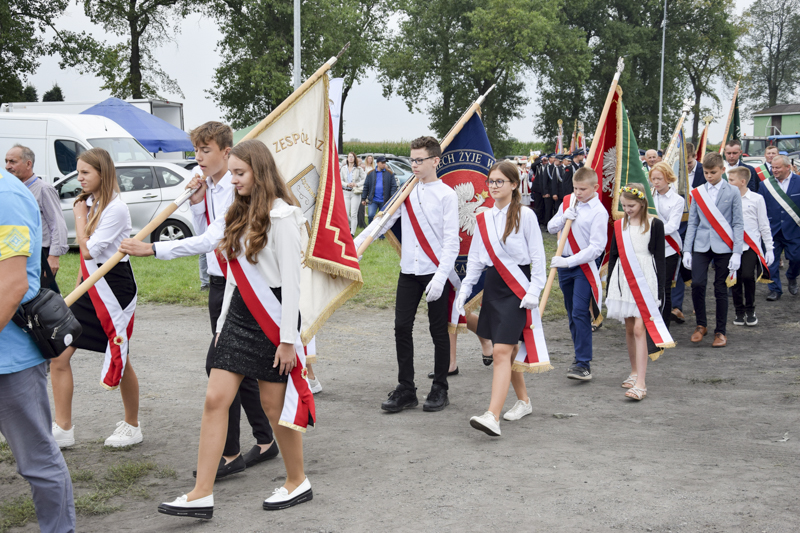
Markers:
point(249, 233)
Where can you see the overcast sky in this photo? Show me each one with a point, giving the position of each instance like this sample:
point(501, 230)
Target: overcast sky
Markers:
point(192, 58)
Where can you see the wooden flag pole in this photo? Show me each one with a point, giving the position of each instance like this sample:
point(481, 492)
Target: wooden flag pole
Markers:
point(292, 98)
point(565, 232)
point(398, 199)
point(117, 257)
point(730, 119)
point(687, 106)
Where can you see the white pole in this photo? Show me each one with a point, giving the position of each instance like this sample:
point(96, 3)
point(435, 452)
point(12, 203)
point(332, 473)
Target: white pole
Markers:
point(297, 44)
point(661, 89)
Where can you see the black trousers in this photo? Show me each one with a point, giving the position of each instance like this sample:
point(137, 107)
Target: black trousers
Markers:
point(248, 395)
point(549, 209)
point(47, 279)
point(700, 262)
point(409, 293)
point(746, 279)
point(538, 206)
point(672, 263)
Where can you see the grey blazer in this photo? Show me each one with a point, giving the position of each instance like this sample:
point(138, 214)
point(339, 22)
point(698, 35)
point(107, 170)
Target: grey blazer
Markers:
point(700, 236)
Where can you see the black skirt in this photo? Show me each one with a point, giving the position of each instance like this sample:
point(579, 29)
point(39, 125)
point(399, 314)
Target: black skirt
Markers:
point(501, 320)
point(243, 347)
point(123, 285)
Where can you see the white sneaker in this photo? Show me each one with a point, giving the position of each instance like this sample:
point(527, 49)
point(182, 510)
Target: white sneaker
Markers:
point(519, 410)
point(281, 499)
point(125, 435)
point(64, 438)
point(199, 508)
point(486, 423)
point(315, 385)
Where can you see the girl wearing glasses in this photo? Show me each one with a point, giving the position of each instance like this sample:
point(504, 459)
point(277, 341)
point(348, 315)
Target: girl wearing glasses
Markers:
point(509, 243)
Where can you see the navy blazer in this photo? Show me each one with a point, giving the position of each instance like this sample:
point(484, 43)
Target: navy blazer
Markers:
point(779, 219)
point(699, 177)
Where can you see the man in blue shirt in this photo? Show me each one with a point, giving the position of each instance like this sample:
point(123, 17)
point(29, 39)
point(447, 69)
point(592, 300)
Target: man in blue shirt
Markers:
point(25, 419)
point(379, 186)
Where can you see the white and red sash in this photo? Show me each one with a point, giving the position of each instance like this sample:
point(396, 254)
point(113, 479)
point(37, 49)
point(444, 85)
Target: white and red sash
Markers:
point(646, 301)
point(713, 215)
point(298, 403)
point(223, 264)
point(751, 242)
point(433, 249)
point(532, 355)
point(589, 269)
point(117, 324)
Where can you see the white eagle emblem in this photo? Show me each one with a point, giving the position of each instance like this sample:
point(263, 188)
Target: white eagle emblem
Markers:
point(469, 205)
point(609, 169)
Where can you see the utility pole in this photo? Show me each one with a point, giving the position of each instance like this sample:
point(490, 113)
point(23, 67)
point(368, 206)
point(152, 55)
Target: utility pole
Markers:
point(661, 89)
point(297, 47)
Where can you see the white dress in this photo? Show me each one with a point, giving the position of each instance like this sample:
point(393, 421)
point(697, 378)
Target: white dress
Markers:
point(620, 302)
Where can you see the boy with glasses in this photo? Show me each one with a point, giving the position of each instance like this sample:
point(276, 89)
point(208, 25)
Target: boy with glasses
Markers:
point(429, 220)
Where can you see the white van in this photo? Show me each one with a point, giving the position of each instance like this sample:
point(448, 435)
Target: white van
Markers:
point(57, 140)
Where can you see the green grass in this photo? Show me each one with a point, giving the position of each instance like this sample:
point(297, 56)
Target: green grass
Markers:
point(5, 454)
point(16, 512)
point(123, 478)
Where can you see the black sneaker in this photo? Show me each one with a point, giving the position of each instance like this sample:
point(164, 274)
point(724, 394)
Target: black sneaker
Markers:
point(400, 399)
point(579, 372)
point(793, 290)
point(225, 470)
point(436, 400)
point(739, 320)
point(773, 296)
point(751, 319)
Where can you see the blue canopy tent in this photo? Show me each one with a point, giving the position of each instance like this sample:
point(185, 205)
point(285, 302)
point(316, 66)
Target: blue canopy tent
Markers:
point(154, 134)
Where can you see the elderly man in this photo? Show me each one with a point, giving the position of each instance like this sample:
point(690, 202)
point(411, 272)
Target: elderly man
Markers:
point(19, 162)
point(782, 194)
point(733, 153)
point(650, 159)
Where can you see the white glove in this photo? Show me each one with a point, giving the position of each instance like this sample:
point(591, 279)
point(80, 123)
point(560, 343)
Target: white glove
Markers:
point(529, 302)
point(770, 257)
point(687, 260)
point(461, 300)
point(559, 262)
point(735, 262)
point(571, 213)
point(434, 290)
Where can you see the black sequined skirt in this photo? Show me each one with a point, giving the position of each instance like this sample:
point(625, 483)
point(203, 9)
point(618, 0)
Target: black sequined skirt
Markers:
point(243, 348)
point(501, 320)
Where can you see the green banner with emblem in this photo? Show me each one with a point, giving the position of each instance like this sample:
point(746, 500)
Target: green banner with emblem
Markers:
point(629, 166)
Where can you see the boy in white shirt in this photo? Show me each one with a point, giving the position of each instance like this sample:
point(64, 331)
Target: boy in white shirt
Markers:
point(578, 275)
point(756, 228)
point(429, 219)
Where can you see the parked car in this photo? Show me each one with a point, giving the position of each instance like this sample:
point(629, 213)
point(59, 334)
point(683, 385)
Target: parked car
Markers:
point(188, 164)
point(147, 187)
point(399, 165)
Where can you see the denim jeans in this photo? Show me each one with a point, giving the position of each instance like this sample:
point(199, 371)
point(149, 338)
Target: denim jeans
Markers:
point(373, 209)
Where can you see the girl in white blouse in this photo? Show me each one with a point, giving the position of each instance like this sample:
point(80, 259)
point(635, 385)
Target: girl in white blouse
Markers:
point(669, 206)
point(503, 314)
point(263, 235)
point(102, 221)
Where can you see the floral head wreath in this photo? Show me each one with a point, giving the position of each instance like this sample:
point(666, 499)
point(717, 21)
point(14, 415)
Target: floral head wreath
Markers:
point(636, 192)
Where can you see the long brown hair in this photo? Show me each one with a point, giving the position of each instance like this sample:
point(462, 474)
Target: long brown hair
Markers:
point(101, 161)
point(509, 171)
point(641, 200)
point(248, 216)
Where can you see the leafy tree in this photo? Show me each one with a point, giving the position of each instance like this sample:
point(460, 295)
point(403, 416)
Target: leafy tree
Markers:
point(128, 69)
point(255, 74)
point(22, 25)
point(53, 95)
point(448, 52)
point(771, 53)
point(29, 94)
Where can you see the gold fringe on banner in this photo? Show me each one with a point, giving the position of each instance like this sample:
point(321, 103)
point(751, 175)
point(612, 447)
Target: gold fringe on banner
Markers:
point(458, 329)
point(656, 355)
point(535, 368)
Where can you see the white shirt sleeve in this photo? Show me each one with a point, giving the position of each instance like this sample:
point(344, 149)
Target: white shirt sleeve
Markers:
point(533, 236)
point(450, 239)
point(199, 244)
point(113, 221)
point(386, 227)
point(286, 234)
point(598, 237)
point(763, 222)
point(673, 218)
point(474, 264)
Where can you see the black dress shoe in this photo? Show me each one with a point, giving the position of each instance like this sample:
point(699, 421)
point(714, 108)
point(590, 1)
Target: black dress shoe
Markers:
point(255, 455)
point(436, 400)
point(225, 470)
point(400, 399)
point(773, 296)
point(450, 373)
point(487, 359)
point(793, 287)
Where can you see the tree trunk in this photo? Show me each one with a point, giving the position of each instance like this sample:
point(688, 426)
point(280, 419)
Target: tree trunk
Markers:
point(340, 133)
point(136, 56)
point(696, 119)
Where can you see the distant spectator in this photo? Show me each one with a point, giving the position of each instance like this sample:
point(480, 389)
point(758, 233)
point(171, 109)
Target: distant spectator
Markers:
point(379, 186)
point(352, 177)
point(24, 408)
point(19, 162)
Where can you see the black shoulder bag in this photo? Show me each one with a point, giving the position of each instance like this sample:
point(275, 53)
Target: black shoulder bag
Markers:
point(49, 322)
